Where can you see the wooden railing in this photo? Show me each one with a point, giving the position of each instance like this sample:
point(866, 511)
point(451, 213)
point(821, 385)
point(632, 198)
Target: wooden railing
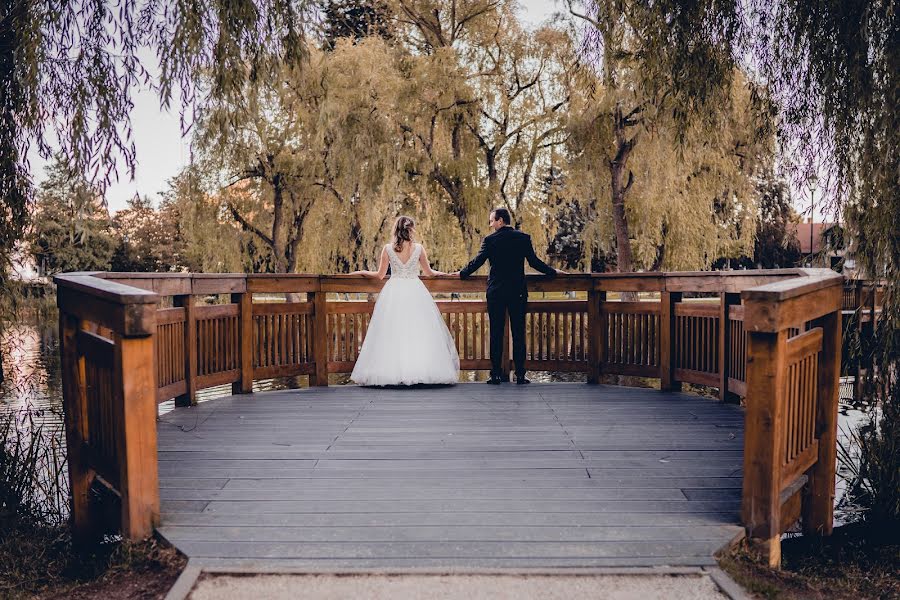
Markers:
point(265, 326)
point(793, 373)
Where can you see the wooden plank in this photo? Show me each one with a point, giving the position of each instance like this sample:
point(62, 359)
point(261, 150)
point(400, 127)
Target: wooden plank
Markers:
point(132, 319)
point(165, 316)
point(283, 308)
point(173, 390)
point(218, 378)
point(284, 370)
point(218, 283)
point(631, 370)
point(216, 311)
point(767, 311)
point(697, 377)
point(282, 283)
point(164, 284)
point(818, 513)
point(629, 282)
point(766, 369)
point(135, 389)
point(803, 345)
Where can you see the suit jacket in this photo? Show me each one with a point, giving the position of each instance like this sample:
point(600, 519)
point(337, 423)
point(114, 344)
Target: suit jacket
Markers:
point(507, 249)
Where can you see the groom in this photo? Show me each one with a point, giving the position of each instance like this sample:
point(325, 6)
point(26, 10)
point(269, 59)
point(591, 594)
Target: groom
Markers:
point(507, 249)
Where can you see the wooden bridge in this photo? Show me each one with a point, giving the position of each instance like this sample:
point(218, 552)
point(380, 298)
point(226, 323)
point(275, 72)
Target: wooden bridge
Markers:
point(466, 476)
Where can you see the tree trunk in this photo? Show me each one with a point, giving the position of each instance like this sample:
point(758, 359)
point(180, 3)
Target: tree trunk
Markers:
point(619, 186)
point(279, 234)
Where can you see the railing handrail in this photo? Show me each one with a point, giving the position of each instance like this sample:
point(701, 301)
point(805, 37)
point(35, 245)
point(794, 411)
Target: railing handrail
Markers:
point(174, 284)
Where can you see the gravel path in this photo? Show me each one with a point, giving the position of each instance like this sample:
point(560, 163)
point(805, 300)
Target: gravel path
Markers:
point(462, 587)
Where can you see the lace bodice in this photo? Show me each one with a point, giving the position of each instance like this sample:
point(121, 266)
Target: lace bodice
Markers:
point(408, 270)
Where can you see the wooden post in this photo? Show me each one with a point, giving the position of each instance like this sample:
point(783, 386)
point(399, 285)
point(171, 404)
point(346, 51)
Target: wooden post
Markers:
point(245, 342)
point(135, 389)
point(726, 301)
point(75, 411)
point(320, 338)
point(597, 332)
point(189, 397)
point(667, 349)
point(761, 504)
point(818, 501)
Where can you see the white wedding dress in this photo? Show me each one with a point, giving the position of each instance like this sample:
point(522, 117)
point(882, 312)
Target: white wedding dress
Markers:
point(407, 341)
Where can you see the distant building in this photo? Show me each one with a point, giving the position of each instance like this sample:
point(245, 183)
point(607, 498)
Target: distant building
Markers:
point(823, 245)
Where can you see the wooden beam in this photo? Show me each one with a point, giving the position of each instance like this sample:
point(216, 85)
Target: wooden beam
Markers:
point(75, 413)
point(131, 319)
point(818, 504)
point(596, 334)
point(667, 350)
point(763, 445)
point(245, 342)
point(319, 338)
point(779, 309)
point(135, 389)
point(726, 302)
point(189, 397)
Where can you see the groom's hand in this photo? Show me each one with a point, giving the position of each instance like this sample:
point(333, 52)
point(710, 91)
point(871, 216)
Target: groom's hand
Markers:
point(454, 274)
point(561, 272)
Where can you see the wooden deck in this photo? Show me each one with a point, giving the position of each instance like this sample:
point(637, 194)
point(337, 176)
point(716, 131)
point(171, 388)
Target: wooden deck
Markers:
point(466, 477)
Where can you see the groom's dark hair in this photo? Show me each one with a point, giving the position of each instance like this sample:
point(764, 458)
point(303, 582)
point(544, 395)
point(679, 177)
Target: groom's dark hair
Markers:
point(502, 213)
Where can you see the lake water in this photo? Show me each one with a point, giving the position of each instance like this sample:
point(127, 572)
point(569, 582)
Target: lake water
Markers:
point(31, 385)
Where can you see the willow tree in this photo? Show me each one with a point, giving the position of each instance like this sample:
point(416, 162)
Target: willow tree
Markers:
point(634, 87)
point(317, 142)
point(523, 84)
point(831, 72)
point(68, 70)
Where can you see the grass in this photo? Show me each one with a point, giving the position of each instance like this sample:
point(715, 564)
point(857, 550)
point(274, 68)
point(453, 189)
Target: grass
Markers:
point(856, 561)
point(38, 557)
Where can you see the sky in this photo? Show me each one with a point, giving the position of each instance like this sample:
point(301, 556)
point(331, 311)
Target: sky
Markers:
point(162, 151)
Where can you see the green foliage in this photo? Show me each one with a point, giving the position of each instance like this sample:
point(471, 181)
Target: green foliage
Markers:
point(67, 71)
point(148, 240)
point(72, 226)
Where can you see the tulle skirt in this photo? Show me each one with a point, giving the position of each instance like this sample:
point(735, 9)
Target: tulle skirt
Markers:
point(407, 341)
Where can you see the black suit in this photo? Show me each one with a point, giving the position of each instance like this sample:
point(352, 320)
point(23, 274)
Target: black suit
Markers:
point(507, 250)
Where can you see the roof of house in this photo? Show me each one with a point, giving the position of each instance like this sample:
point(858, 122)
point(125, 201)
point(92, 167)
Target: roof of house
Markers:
point(802, 231)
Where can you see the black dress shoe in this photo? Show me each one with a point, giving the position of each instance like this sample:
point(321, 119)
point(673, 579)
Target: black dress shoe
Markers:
point(494, 381)
point(504, 378)
point(522, 381)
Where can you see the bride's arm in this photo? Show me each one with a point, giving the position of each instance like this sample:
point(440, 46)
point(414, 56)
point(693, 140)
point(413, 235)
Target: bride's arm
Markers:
point(426, 267)
point(382, 267)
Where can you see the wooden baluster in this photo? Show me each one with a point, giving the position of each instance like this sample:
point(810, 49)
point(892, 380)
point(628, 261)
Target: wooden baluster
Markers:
point(764, 440)
point(818, 501)
point(135, 390)
point(667, 338)
point(190, 350)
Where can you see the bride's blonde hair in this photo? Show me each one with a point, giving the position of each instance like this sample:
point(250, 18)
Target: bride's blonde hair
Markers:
point(403, 227)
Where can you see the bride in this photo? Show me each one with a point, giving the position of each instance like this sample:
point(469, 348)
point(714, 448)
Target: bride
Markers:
point(407, 341)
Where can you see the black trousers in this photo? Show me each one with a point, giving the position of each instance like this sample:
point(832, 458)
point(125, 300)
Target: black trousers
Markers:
point(499, 306)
